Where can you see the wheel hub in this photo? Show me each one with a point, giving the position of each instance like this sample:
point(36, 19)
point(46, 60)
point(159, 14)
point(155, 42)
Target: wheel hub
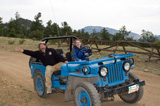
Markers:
point(84, 100)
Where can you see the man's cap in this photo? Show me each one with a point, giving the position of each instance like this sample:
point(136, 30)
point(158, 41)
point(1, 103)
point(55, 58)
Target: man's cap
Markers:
point(42, 42)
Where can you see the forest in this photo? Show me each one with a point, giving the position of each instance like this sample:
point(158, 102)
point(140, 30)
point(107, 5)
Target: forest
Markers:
point(23, 28)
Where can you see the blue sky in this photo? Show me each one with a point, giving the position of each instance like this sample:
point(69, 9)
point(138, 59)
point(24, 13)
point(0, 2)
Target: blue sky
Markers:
point(134, 14)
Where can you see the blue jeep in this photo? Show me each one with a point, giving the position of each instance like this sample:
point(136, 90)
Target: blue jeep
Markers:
point(91, 81)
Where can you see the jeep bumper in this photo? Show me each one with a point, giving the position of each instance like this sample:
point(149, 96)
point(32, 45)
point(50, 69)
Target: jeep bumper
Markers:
point(121, 89)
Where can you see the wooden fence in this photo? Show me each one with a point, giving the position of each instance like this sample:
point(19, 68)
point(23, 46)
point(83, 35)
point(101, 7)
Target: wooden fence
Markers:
point(152, 49)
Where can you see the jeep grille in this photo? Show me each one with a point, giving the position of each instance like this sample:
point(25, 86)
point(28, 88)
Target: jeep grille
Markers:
point(115, 73)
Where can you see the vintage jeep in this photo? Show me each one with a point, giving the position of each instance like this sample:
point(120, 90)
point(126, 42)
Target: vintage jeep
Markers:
point(91, 81)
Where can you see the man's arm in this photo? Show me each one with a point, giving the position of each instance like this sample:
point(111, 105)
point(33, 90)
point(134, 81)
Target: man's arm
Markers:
point(27, 52)
point(18, 49)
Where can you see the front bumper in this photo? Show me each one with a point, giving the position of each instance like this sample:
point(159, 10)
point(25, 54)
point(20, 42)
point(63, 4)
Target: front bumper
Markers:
point(121, 89)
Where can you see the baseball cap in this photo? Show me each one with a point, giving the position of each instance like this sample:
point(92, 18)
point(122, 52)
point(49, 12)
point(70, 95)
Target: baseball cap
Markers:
point(42, 42)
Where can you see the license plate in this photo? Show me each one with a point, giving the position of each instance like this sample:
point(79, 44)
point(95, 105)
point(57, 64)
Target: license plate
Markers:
point(133, 88)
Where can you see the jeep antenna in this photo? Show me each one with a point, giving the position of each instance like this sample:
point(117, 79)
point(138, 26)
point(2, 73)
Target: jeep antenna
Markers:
point(54, 16)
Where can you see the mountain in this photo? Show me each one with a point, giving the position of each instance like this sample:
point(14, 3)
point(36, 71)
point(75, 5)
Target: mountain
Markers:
point(158, 36)
point(112, 31)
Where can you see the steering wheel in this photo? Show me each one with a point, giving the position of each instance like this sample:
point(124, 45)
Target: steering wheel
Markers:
point(85, 52)
point(86, 47)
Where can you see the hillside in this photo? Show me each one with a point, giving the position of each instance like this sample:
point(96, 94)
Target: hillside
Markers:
point(112, 31)
point(26, 23)
point(158, 36)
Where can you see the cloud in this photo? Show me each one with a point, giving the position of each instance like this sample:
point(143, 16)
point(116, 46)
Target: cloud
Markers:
point(135, 14)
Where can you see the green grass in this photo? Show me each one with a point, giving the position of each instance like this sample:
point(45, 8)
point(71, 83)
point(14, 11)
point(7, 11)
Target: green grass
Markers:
point(158, 42)
point(158, 74)
point(20, 86)
point(11, 42)
point(9, 104)
point(2, 104)
point(26, 102)
point(21, 41)
point(30, 96)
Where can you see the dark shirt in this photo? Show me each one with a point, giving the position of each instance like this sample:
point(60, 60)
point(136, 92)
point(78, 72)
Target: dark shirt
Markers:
point(50, 57)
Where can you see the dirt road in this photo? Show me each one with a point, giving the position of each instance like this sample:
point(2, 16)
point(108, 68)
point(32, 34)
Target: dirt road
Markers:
point(16, 86)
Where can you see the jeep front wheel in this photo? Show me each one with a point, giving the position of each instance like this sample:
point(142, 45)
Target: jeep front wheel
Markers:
point(133, 97)
point(85, 94)
point(40, 85)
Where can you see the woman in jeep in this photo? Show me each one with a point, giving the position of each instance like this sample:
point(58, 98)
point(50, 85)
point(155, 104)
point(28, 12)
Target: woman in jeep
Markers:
point(78, 51)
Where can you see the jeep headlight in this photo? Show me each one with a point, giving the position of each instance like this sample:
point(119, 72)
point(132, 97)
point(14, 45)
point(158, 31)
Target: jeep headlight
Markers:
point(126, 66)
point(86, 70)
point(103, 71)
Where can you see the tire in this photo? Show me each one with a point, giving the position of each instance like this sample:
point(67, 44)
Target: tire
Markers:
point(85, 94)
point(31, 60)
point(133, 97)
point(39, 84)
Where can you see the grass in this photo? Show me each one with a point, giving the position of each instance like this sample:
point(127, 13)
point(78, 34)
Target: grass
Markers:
point(158, 42)
point(20, 86)
point(9, 104)
point(158, 74)
point(3, 101)
point(21, 41)
point(26, 102)
point(30, 44)
point(30, 96)
point(12, 97)
point(2, 104)
point(27, 43)
point(11, 42)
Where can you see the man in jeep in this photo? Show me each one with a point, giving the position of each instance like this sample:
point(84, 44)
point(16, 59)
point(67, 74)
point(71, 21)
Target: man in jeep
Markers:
point(50, 58)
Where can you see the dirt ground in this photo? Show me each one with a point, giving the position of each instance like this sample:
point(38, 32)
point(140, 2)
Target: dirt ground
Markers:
point(16, 86)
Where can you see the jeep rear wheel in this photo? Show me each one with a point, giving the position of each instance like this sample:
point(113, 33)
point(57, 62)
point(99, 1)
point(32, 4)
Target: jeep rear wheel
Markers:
point(85, 94)
point(133, 97)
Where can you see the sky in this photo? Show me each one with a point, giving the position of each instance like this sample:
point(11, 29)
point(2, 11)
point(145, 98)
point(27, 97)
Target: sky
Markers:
point(134, 14)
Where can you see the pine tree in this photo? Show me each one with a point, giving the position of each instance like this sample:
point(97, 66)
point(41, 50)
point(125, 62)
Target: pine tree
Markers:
point(66, 29)
point(105, 34)
point(37, 28)
point(123, 34)
point(37, 23)
point(1, 27)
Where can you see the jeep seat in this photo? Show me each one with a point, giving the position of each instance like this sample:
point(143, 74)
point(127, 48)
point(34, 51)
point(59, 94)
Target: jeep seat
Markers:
point(58, 72)
point(68, 56)
point(60, 51)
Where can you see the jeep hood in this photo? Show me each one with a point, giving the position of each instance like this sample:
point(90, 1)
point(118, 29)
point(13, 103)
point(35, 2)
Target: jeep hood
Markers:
point(103, 59)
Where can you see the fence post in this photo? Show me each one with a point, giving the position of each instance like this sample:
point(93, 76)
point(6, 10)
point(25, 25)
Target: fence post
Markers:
point(114, 51)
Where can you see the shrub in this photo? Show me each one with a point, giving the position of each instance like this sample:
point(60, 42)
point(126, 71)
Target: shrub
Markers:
point(36, 35)
point(11, 42)
point(158, 42)
point(53, 41)
point(21, 41)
